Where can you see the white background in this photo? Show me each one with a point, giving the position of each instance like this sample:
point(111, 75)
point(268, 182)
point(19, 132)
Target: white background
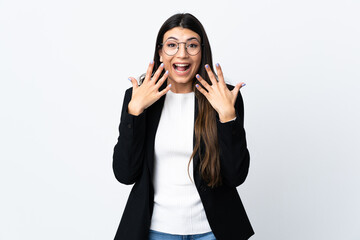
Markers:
point(64, 67)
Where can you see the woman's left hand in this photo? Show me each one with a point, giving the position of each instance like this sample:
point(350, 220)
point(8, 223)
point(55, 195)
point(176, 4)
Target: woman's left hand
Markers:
point(218, 94)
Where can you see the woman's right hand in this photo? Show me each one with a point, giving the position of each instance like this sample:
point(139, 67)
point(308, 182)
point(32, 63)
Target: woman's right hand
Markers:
point(147, 93)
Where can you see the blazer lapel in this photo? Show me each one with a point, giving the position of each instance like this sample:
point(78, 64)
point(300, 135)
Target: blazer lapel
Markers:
point(196, 160)
point(153, 118)
point(196, 156)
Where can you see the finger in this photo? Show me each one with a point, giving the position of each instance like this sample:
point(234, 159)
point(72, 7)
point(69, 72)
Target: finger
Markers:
point(133, 82)
point(219, 73)
point(211, 74)
point(162, 79)
point(202, 90)
point(158, 72)
point(242, 84)
point(236, 89)
point(165, 90)
point(203, 82)
point(149, 71)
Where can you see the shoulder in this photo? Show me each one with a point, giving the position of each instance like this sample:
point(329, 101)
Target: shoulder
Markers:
point(128, 93)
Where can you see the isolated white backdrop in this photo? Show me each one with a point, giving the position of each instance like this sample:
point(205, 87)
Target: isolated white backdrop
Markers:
point(64, 67)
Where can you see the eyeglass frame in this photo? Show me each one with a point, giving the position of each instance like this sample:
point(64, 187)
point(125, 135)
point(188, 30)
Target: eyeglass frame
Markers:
point(178, 46)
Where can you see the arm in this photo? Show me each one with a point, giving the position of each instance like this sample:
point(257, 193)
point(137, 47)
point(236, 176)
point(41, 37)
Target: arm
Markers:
point(228, 103)
point(234, 155)
point(128, 154)
point(129, 150)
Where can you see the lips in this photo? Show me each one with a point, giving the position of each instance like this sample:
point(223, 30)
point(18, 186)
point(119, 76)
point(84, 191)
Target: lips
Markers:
point(181, 67)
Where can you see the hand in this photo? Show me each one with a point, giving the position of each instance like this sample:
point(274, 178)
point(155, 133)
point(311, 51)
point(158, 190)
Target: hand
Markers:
point(218, 94)
point(147, 93)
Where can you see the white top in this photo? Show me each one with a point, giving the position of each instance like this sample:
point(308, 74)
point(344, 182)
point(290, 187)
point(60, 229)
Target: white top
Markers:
point(177, 205)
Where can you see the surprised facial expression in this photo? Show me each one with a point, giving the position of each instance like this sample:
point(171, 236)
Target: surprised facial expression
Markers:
point(182, 66)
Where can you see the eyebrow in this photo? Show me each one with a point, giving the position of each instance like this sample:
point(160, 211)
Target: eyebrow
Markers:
point(186, 39)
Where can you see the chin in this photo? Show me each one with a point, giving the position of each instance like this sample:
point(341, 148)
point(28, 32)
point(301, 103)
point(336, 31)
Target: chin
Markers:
point(182, 80)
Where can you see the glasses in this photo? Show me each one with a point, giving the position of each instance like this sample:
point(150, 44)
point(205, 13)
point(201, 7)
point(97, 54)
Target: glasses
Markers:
point(171, 47)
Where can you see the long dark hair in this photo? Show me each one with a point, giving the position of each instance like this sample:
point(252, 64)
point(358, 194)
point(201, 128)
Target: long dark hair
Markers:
point(205, 124)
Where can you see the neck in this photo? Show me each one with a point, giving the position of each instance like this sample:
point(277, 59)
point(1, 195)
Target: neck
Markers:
point(180, 87)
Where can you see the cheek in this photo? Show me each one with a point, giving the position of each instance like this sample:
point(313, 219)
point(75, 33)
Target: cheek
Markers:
point(167, 62)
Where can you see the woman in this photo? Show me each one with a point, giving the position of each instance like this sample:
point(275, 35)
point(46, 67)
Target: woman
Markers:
point(182, 143)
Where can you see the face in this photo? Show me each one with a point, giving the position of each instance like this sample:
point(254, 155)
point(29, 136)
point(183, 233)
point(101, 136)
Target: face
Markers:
point(182, 66)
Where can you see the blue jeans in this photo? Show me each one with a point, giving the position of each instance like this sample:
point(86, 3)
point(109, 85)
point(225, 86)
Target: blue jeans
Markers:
point(155, 235)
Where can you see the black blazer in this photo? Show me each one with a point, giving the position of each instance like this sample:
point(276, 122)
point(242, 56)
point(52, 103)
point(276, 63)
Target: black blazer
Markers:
point(133, 161)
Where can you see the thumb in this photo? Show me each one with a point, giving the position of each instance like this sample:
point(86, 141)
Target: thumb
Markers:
point(237, 88)
point(133, 82)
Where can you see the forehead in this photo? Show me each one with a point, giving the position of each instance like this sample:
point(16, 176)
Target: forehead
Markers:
point(181, 34)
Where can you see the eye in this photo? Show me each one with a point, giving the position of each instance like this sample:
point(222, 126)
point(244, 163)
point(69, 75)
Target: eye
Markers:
point(171, 45)
point(193, 45)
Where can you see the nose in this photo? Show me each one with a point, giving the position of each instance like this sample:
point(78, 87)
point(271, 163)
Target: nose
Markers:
point(182, 50)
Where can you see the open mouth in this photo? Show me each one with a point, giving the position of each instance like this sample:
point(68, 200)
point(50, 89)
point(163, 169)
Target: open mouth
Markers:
point(181, 67)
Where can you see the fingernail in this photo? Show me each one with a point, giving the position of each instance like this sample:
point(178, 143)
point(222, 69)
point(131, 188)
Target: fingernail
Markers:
point(161, 65)
point(243, 84)
point(170, 85)
point(197, 85)
point(129, 79)
point(217, 65)
point(167, 71)
point(197, 76)
point(151, 62)
point(207, 66)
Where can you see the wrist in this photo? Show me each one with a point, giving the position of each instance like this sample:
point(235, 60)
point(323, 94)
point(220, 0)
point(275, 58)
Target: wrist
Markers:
point(133, 109)
point(227, 116)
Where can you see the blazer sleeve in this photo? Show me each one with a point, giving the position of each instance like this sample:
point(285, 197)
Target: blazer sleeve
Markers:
point(128, 156)
point(234, 155)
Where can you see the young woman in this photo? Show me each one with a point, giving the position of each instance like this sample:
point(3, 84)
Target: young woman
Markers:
point(183, 144)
